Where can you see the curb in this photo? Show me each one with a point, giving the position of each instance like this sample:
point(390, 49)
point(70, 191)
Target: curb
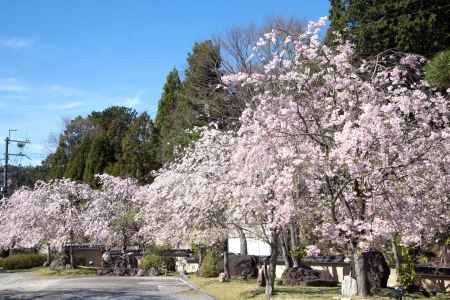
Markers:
point(194, 287)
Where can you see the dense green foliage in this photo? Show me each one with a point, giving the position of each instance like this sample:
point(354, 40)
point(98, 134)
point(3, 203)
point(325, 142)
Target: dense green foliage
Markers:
point(192, 102)
point(22, 261)
point(24, 176)
point(415, 26)
point(119, 142)
point(195, 101)
point(151, 261)
point(209, 264)
point(115, 141)
point(407, 272)
point(437, 71)
point(154, 258)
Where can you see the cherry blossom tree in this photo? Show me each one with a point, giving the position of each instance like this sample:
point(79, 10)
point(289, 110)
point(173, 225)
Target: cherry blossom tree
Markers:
point(18, 216)
point(50, 213)
point(369, 139)
point(111, 216)
point(189, 199)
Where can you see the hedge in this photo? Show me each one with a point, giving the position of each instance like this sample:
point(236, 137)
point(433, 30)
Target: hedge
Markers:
point(22, 261)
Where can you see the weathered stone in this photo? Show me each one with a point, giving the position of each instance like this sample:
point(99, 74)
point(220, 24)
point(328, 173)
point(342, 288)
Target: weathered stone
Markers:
point(240, 264)
point(106, 259)
point(58, 264)
point(304, 275)
point(349, 287)
point(244, 276)
point(154, 272)
point(103, 271)
point(377, 269)
point(124, 265)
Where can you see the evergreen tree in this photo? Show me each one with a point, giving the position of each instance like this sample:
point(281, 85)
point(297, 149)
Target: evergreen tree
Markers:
point(172, 117)
point(140, 150)
point(201, 86)
point(416, 26)
point(437, 71)
point(92, 145)
point(113, 122)
point(76, 166)
point(101, 155)
point(196, 101)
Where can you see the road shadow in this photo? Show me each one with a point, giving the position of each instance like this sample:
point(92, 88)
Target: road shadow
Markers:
point(79, 294)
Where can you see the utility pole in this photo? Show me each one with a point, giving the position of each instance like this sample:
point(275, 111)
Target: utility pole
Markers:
point(20, 144)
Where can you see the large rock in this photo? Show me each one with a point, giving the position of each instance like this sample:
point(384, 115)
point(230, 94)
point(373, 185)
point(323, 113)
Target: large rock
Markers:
point(119, 265)
point(240, 265)
point(106, 259)
point(58, 264)
point(377, 269)
point(304, 275)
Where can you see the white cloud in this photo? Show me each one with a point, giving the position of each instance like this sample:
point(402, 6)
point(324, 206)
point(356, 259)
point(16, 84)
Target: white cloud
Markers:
point(64, 90)
point(16, 43)
point(131, 102)
point(11, 85)
point(65, 106)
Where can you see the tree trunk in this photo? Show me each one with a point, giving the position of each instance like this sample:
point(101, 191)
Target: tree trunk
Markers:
point(444, 255)
point(72, 264)
point(124, 243)
point(49, 254)
point(243, 241)
point(11, 248)
point(285, 249)
point(226, 263)
point(201, 254)
point(397, 257)
point(361, 275)
point(270, 272)
point(293, 230)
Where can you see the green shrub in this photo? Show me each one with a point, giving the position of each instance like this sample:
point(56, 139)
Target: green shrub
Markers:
point(151, 261)
point(22, 261)
point(437, 71)
point(209, 264)
point(167, 263)
point(407, 271)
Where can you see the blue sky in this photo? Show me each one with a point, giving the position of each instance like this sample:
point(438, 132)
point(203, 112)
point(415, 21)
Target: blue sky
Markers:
point(60, 59)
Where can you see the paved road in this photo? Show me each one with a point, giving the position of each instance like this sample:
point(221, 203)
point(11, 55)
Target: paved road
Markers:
point(33, 286)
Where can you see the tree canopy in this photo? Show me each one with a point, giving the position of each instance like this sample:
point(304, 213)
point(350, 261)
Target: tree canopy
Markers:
point(413, 26)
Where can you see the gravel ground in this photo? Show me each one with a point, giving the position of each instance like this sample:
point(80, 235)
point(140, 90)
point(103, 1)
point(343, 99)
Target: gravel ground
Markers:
point(34, 286)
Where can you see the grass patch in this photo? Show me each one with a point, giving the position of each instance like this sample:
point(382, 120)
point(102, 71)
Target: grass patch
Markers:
point(248, 290)
point(233, 290)
point(34, 269)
